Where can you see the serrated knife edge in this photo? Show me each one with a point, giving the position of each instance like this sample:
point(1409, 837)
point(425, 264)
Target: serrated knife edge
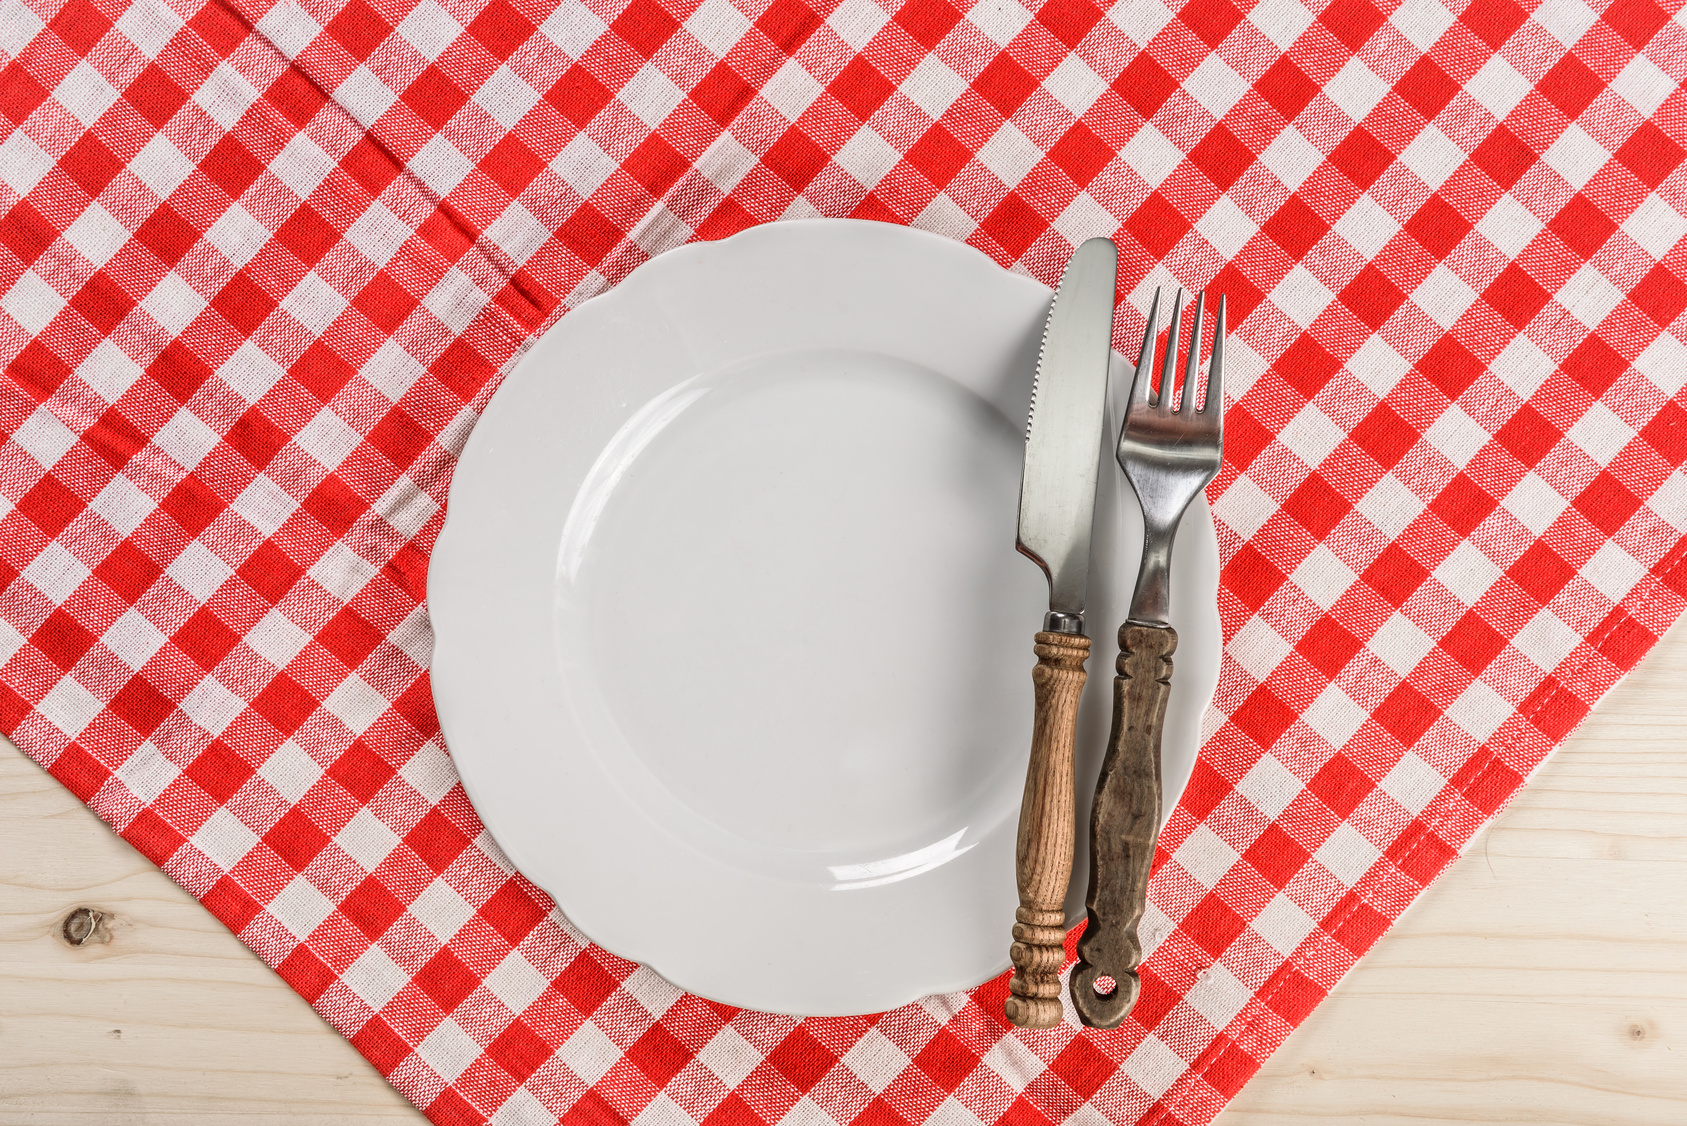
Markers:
point(1063, 424)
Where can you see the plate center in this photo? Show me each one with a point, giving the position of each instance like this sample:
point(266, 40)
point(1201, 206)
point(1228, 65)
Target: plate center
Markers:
point(793, 587)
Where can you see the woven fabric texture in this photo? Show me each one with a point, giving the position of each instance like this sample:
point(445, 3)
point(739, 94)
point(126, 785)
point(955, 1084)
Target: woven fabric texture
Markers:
point(262, 265)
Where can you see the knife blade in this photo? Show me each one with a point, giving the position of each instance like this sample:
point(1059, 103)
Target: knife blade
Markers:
point(1056, 509)
point(1063, 428)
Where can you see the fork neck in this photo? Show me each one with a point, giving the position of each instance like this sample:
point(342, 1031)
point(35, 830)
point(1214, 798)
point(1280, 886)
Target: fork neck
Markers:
point(1151, 601)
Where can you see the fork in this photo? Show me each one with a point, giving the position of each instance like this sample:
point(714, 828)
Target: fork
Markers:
point(1168, 456)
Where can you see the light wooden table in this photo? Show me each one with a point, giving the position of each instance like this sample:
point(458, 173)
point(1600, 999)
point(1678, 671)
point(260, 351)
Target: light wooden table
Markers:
point(1543, 980)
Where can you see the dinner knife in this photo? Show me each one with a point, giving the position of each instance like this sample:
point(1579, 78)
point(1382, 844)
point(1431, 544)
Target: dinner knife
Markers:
point(1056, 508)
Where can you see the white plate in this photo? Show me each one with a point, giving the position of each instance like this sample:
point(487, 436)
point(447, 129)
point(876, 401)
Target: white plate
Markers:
point(732, 646)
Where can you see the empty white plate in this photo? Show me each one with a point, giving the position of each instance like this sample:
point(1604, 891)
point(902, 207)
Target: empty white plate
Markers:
point(732, 645)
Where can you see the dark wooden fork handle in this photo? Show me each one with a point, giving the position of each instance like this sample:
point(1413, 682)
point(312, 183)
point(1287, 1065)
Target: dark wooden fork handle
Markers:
point(1124, 825)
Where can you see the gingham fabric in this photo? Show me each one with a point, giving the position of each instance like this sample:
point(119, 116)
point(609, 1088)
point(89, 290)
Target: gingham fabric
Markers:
point(263, 265)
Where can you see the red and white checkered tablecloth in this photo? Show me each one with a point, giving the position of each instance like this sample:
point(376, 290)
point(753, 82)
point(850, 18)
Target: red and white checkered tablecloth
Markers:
point(262, 264)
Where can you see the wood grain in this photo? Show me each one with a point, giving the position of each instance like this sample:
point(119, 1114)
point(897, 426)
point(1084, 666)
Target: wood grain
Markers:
point(1541, 980)
point(1124, 824)
point(1043, 858)
point(169, 1019)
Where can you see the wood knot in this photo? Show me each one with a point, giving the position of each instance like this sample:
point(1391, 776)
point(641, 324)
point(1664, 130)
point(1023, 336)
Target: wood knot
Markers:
point(85, 925)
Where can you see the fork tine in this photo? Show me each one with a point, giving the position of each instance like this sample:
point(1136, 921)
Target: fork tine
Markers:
point(1168, 370)
point(1192, 363)
point(1215, 369)
point(1140, 383)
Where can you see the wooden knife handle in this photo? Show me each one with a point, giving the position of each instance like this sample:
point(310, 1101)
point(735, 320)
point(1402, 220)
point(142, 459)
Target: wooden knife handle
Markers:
point(1124, 825)
point(1046, 833)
